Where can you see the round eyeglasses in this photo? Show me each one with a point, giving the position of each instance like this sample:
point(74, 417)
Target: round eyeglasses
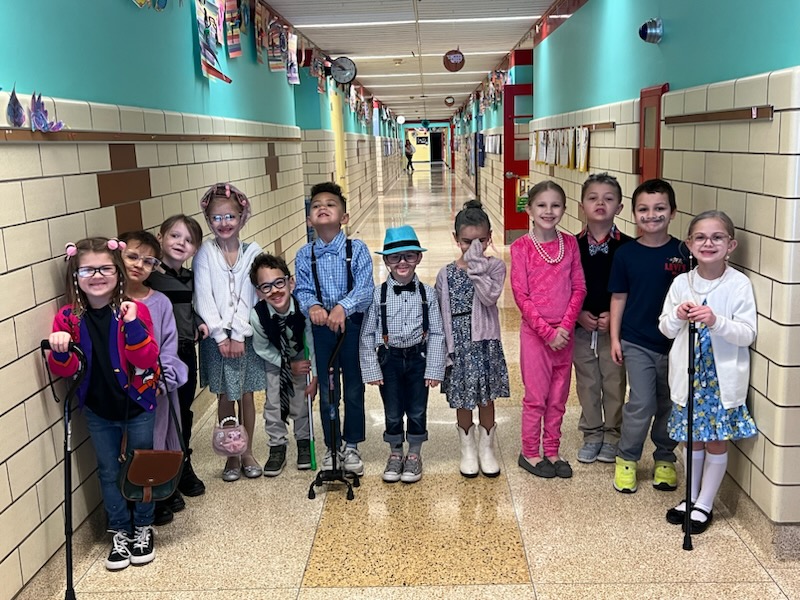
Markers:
point(149, 262)
point(717, 239)
point(226, 218)
point(278, 284)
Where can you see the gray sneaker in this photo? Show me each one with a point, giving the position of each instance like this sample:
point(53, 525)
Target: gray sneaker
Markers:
point(608, 453)
point(588, 453)
point(412, 469)
point(394, 467)
point(351, 461)
point(327, 461)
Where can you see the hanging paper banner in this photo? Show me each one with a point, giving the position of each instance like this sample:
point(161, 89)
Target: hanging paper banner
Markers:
point(260, 31)
point(206, 33)
point(244, 17)
point(232, 20)
point(292, 72)
point(277, 46)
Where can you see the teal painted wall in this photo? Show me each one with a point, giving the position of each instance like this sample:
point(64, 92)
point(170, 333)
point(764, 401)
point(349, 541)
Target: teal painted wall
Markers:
point(351, 122)
point(596, 57)
point(312, 109)
point(493, 116)
point(114, 52)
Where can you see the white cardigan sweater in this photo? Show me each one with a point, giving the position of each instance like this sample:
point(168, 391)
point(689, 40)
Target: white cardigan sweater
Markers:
point(734, 305)
point(224, 309)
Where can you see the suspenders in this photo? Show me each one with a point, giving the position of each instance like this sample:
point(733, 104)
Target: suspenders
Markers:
point(348, 258)
point(384, 318)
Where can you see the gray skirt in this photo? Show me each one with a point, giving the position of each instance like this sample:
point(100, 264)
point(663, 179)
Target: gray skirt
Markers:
point(231, 376)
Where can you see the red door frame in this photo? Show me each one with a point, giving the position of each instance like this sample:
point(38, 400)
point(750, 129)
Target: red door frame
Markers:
point(513, 169)
point(650, 158)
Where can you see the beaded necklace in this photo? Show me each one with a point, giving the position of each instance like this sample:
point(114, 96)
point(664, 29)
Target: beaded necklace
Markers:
point(545, 256)
point(714, 285)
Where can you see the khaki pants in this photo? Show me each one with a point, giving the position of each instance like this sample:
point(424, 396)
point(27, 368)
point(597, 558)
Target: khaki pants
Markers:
point(601, 388)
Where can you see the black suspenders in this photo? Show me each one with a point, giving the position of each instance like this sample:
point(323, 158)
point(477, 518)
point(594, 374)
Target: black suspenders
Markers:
point(384, 317)
point(348, 248)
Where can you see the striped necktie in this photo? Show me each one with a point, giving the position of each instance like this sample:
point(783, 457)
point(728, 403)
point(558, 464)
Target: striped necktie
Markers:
point(287, 380)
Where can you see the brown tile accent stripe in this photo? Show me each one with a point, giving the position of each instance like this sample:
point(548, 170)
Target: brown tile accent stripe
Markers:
point(123, 156)
point(123, 186)
point(23, 135)
point(129, 217)
point(270, 149)
point(272, 170)
point(278, 247)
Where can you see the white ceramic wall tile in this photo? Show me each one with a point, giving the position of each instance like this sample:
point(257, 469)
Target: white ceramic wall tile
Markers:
point(160, 182)
point(167, 154)
point(781, 261)
point(747, 172)
point(683, 137)
point(37, 548)
point(695, 100)
point(43, 198)
point(131, 119)
point(218, 124)
point(75, 114)
point(185, 154)
point(65, 229)
point(760, 217)
point(694, 166)
point(59, 159)
point(18, 520)
point(200, 153)
point(152, 212)
point(105, 117)
point(154, 121)
point(780, 424)
point(720, 96)
point(205, 124)
point(785, 304)
point(94, 158)
point(48, 276)
point(81, 192)
point(718, 171)
point(703, 198)
point(784, 88)
point(734, 137)
point(765, 135)
point(26, 244)
point(19, 161)
point(790, 132)
point(706, 137)
point(748, 253)
point(146, 155)
point(787, 219)
point(30, 464)
point(179, 178)
point(782, 175)
point(751, 91)
point(11, 200)
point(783, 383)
point(191, 124)
point(102, 221)
point(172, 205)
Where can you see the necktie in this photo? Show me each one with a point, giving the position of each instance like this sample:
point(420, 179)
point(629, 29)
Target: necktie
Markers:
point(409, 287)
point(286, 378)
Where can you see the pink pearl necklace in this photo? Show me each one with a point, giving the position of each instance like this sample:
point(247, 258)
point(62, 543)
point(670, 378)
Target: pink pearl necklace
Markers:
point(545, 256)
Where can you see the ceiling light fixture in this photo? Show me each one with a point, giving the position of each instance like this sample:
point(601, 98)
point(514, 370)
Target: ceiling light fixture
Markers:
point(424, 21)
point(436, 54)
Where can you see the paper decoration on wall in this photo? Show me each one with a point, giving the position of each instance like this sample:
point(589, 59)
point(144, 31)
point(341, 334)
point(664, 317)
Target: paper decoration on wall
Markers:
point(292, 72)
point(276, 39)
point(141, 3)
point(39, 117)
point(571, 149)
point(244, 16)
point(207, 36)
point(317, 70)
point(260, 28)
point(563, 148)
point(232, 20)
point(15, 112)
point(582, 149)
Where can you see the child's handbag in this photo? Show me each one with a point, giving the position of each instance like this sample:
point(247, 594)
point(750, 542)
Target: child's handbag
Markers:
point(229, 441)
point(148, 475)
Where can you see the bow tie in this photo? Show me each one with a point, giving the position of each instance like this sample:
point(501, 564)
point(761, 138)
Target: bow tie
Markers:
point(326, 249)
point(409, 287)
point(595, 248)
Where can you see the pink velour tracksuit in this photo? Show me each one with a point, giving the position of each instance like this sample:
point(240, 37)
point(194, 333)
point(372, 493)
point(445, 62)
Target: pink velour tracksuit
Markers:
point(549, 296)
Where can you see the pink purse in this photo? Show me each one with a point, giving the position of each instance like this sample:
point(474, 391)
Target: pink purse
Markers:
point(229, 440)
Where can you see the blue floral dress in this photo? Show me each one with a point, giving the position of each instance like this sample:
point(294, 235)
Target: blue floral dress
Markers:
point(712, 421)
point(479, 373)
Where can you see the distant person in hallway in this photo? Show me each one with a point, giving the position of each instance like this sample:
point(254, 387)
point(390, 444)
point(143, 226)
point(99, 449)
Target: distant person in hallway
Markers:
point(410, 150)
point(719, 299)
point(549, 288)
point(600, 382)
point(641, 274)
point(476, 372)
point(334, 288)
point(223, 297)
point(403, 352)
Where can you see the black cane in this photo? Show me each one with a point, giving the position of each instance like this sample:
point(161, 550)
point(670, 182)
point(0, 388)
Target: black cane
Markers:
point(687, 519)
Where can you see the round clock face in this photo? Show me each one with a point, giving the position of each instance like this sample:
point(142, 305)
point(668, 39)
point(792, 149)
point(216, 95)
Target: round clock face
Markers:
point(401, 119)
point(343, 70)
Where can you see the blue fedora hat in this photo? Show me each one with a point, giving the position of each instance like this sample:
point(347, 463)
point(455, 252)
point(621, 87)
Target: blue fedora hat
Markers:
point(400, 239)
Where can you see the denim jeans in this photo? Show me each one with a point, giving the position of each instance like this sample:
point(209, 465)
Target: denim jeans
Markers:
point(404, 393)
point(106, 438)
point(348, 364)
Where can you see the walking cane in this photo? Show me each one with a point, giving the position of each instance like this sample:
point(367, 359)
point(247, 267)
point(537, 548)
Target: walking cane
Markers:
point(687, 519)
point(310, 411)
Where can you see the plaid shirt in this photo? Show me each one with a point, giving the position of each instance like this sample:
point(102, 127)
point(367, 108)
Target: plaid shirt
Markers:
point(404, 322)
point(332, 270)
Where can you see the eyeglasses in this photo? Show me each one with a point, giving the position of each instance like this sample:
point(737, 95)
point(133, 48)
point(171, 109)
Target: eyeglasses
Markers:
point(149, 262)
point(105, 271)
point(227, 218)
point(278, 284)
point(717, 239)
point(410, 258)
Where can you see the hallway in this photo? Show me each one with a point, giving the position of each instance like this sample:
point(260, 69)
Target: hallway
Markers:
point(445, 537)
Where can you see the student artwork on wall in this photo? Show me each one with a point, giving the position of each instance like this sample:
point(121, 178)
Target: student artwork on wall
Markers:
point(207, 36)
point(260, 29)
point(292, 72)
point(276, 38)
point(563, 147)
point(232, 20)
point(582, 149)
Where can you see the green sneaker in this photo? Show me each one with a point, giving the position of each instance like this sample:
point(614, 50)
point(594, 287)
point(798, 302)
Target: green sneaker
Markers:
point(665, 478)
point(625, 476)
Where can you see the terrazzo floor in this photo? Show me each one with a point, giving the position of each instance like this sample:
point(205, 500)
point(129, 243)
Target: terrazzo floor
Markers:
point(445, 537)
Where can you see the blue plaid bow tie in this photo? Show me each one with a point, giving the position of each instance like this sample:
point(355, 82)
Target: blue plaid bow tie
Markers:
point(594, 249)
point(325, 249)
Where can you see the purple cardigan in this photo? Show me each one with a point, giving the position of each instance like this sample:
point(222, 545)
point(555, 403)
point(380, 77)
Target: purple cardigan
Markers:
point(174, 375)
point(488, 274)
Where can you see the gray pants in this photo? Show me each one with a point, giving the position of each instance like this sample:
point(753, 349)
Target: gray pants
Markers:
point(298, 409)
point(600, 383)
point(649, 401)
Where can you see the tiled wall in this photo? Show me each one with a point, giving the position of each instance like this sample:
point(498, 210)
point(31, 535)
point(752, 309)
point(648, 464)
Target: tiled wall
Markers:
point(491, 180)
point(362, 174)
point(461, 163)
point(389, 166)
point(54, 192)
point(319, 160)
point(751, 170)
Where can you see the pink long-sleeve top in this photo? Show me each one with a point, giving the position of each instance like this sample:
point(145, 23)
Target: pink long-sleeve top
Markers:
point(548, 296)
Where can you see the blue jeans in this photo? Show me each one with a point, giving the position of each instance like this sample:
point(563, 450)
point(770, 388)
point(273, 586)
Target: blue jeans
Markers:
point(404, 393)
point(107, 438)
point(348, 364)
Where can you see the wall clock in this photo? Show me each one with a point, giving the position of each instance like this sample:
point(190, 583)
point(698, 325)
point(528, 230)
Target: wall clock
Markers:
point(343, 70)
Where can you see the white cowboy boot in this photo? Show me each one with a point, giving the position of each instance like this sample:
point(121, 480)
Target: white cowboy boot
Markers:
point(489, 465)
point(469, 454)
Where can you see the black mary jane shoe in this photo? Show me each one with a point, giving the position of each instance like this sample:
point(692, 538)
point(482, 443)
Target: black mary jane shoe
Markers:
point(676, 516)
point(700, 526)
point(544, 468)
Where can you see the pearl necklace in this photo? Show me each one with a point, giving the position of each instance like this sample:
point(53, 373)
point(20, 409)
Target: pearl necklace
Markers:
point(545, 256)
point(714, 285)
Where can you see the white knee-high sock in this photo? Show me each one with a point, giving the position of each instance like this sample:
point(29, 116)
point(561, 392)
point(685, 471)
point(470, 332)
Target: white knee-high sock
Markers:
point(716, 465)
point(698, 458)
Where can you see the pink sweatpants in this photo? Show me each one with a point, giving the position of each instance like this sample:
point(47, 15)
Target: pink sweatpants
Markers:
point(545, 375)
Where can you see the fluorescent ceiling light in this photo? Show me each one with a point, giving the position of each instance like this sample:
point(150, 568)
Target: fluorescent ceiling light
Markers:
point(435, 54)
point(411, 22)
point(426, 73)
point(401, 85)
